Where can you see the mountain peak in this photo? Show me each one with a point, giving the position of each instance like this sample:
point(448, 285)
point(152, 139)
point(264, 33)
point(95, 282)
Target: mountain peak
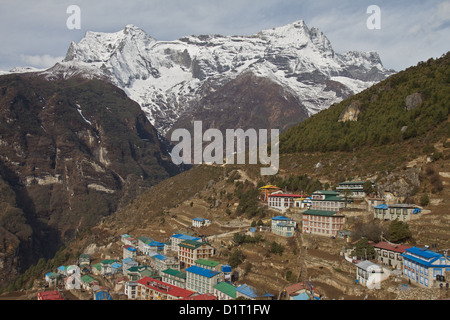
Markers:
point(297, 34)
point(287, 31)
point(100, 46)
point(132, 29)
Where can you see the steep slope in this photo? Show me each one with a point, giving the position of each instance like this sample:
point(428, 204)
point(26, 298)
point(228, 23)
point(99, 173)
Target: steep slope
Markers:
point(170, 79)
point(72, 152)
point(248, 101)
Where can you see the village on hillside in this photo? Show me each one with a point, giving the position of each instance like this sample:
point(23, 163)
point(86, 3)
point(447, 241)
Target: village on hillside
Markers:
point(184, 267)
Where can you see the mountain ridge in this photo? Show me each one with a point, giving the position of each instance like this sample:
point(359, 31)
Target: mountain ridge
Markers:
point(169, 78)
point(72, 152)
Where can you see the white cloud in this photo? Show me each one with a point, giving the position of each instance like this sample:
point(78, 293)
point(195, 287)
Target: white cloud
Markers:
point(43, 61)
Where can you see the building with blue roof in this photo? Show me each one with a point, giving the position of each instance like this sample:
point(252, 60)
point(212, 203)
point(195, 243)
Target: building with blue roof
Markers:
point(400, 211)
point(102, 295)
point(302, 297)
point(129, 252)
point(283, 226)
point(176, 239)
point(250, 292)
point(200, 222)
point(183, 237)
point(160, 262)
point(201, 279)
point(62, 270)
point(52, 278)
point(281, 218)
point(128, 263)
point(147, 245)
point(425, 267)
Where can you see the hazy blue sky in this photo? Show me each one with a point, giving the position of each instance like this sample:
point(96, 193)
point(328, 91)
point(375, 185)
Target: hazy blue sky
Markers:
point(34, 32)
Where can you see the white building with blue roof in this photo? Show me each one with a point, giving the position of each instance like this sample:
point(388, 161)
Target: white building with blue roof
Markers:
point(425, 267)
point(176, 239)
point(202, 280)
point(401, 211)
point(200, 222)
point(161, 262)
point(129, 252)
point(283, 226)
point(128, 263)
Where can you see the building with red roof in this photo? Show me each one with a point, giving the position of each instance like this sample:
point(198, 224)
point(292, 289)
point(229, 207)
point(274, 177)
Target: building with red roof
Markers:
point(282, 201)
point(49, 295)
point(301, 291)
point(152, 289)
point(390, 254)
point(206, 296)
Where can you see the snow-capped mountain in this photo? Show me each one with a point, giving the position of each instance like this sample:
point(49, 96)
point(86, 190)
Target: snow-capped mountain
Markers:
point(170, 78)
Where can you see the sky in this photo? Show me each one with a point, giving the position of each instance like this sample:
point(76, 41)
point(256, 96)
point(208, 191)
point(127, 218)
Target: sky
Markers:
point(36, 33)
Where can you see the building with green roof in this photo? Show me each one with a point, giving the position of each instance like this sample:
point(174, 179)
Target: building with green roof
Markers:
point(190, 244)
point(192, 250)
point(138, 272)
point(97, 268)
point(207, 264)
point(225, 291)
point(323, 222)
point(84, 260)
point(326, 200)
point(87, 282)
point(174, 277)
point(353, 188)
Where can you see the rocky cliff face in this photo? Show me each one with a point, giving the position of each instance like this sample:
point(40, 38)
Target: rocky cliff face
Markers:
point(72, 152)
point(172, 79)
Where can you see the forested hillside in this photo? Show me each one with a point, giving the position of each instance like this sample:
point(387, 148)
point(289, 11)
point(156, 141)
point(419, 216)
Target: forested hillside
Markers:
point(407, 105)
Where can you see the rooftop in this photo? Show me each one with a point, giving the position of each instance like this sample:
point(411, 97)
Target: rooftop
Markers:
point(281, 218)
point(396, 205)
point(184, 237)
point(250, 291)
point(226, 288)
point(191, 244)
point(208, 263)
point(366, 265)
point(423, 253)
point(202, 271)
point(175, 273)
point(290, 290)
point(323, 213)
point(269, 187)
point(391, 247)
point(159, 257)
point(286, 195)
point(165, 287)
point(326, 192)
point(351, 182)
point(205, 296)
